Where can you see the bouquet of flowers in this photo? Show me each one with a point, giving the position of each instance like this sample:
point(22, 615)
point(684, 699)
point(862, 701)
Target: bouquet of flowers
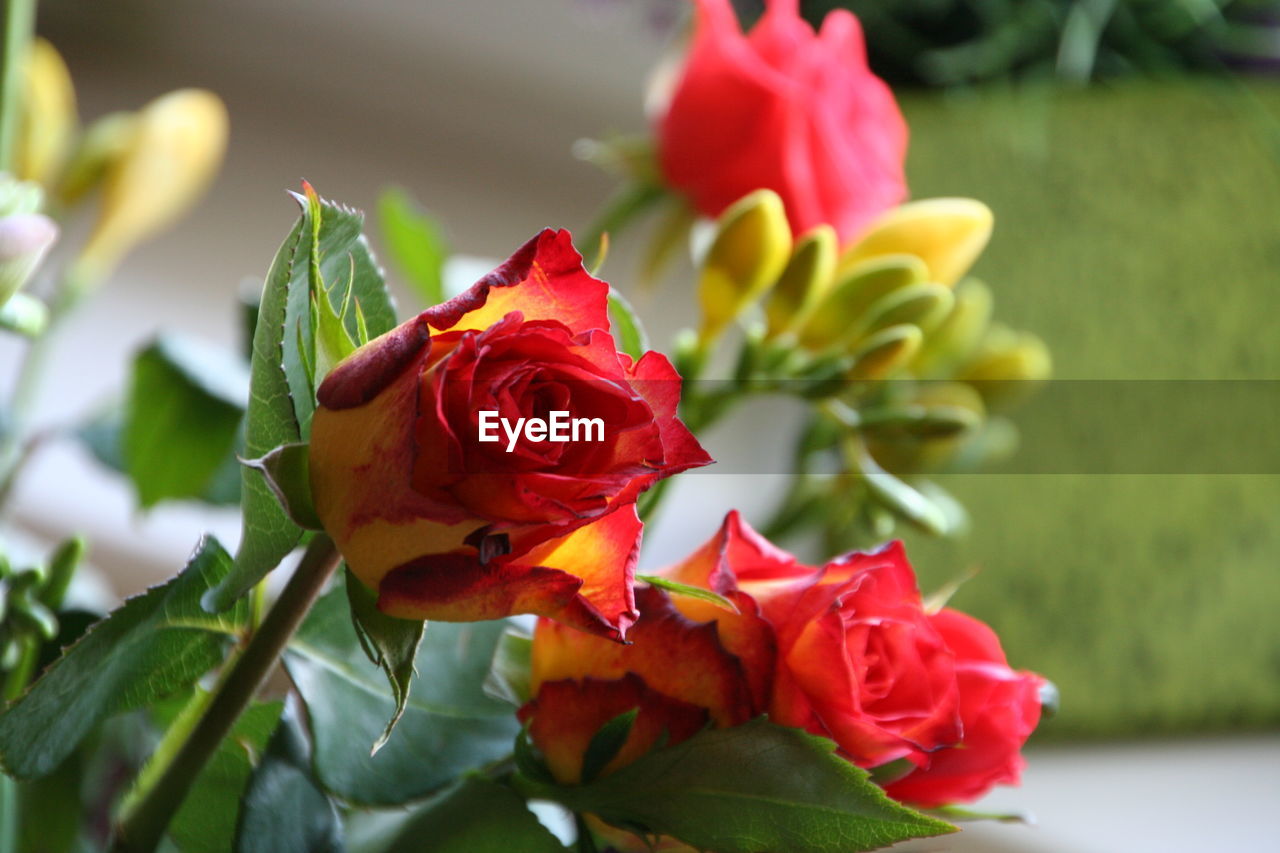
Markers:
point(460, 497)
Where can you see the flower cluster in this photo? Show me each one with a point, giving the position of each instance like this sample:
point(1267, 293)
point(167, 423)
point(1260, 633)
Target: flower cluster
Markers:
point(847, 651)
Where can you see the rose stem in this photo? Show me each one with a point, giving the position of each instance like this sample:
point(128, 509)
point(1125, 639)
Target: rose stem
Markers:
point(141, 830)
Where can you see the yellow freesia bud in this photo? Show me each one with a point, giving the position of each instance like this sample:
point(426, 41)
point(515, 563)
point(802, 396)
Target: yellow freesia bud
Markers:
point(48, 122)
point(841, 315)
point(1008, 366)
point(948, 234)
point(960, 333)
point(750, 250)
point(175, 150)
point(885, 352)
point(807, 278)
point(103, 143)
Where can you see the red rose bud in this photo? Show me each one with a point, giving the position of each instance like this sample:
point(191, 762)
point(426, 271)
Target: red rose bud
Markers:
point(999, 708)
point(860, 661)
point(785, 109)
point(691, 662)
point(447, 524)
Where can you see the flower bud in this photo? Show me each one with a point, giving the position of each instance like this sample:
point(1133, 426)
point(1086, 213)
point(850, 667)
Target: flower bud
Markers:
point(750, 250)
point(958, 335)
point(25, 238)
point(1008, 365)
point(175, 150)
point(886, 351)
point(948, 234)
point(806, 279)
point(103, 143)
point(840, 316)
point(923, 305)
point(48, 121)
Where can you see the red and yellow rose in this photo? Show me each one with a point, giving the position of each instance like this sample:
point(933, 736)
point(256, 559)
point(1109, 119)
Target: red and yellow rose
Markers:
point(445, 526)
point(846, 651)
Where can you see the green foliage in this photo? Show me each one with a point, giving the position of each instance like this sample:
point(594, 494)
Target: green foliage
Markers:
point(749, 789)
point(606, 743)
point(287, 472)
point(449, 724)
point(390, 643)
point(156, 644)
point(415, 243)
point(509, 675)
point(627, 327)
point(315, 256)
point(206, 822)
point(958, 42)
point(181, 417)
point(677, 588)
point(476, 815)
point(284, 810)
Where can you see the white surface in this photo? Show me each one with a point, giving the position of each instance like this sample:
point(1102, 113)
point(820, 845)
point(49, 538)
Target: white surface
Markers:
point(1164, 797)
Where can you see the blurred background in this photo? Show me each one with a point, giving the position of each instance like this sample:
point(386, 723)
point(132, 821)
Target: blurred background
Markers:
point(1131, 153)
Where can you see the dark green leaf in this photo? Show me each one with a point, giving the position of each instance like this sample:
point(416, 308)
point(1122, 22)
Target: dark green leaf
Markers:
point(183, 409)
point(449, 725)
point(390, 643)
point(677, 588)
point(156, 644)
point(627, 327)
point(206, 823)
point(748, 789)
point(284, 810)
point(508, 677)
point(606, 743)
point(267, 533)
point(288, 474)
point(476, 815)
point(415, 243)
point(282, 398)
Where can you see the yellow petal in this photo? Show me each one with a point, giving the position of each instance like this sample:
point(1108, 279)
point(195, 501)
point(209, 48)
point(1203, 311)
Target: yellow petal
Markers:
point(948, 234)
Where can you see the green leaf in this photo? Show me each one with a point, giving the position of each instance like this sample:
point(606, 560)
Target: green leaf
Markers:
point(288, 474)
point(476, 815)
point(282, 397)
point(415, 243)
point(449, 725)
point(206, 822)
point(508, 679)
point(284, 810)
point(677, 588)
point(390, 643)
point(156, 644)
point(749, 789)
point(102, 436)
point(182, 411)
point(627, 326)
point(606, 743)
